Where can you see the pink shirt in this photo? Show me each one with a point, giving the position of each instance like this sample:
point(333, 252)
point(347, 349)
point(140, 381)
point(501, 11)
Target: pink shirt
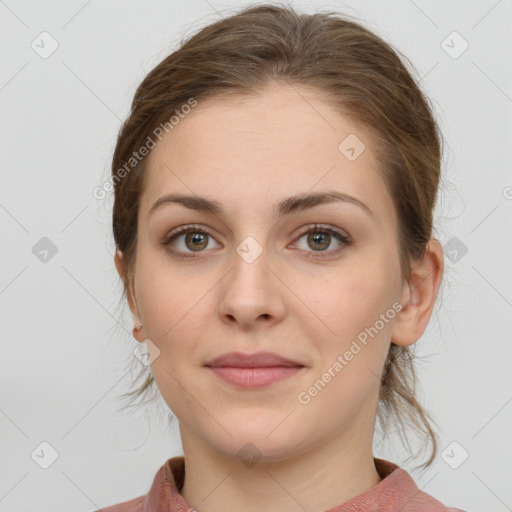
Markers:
point(395, 492)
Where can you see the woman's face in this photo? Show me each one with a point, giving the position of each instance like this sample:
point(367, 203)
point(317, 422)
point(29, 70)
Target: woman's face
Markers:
point(263, 278)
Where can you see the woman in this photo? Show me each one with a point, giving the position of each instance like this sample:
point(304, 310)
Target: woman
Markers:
point(274, 192)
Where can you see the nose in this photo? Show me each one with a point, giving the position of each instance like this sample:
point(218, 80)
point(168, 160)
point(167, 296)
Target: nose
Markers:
point(251, 294)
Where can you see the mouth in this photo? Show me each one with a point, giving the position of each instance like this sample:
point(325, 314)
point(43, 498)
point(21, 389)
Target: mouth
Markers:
point(253, 370)
point(255, 377)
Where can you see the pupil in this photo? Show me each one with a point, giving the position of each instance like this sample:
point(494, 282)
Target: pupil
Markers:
point(319, 237)
point(196, 238)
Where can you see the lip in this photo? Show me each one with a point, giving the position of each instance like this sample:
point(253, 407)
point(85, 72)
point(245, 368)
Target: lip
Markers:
point(253, 370)
point(256, 360)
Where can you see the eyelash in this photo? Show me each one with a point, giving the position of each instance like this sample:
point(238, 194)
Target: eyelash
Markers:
point(345, 240)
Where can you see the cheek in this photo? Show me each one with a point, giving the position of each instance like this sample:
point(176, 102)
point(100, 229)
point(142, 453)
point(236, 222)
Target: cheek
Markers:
point(349, 301)
point(177, 311)
point(357, 315)
point(167, 299)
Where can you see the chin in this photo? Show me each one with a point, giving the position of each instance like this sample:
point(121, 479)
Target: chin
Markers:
point(265, 441)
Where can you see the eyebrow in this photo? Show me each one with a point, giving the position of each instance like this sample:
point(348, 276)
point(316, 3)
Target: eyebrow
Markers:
point(284, 207)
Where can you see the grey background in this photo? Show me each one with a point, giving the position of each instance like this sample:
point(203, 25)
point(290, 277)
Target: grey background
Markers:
point(65, 360)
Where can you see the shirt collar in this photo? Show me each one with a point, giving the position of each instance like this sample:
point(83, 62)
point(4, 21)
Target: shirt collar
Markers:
point(396, 491)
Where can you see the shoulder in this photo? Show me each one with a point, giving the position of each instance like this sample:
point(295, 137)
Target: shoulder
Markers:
point(423, 502)
point(163, 494)
point(398, 490)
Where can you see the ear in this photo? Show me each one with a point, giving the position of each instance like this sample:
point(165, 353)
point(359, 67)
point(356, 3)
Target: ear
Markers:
point(419, 296)
point(121, 270)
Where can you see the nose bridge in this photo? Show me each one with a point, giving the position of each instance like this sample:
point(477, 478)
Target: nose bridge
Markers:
point(250, 270)
point(250, 290)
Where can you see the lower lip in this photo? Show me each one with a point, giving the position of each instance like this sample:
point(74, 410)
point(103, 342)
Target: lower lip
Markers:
point(254, 377)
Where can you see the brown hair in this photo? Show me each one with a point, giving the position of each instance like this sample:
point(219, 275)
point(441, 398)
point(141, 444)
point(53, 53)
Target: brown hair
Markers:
point(362, 76)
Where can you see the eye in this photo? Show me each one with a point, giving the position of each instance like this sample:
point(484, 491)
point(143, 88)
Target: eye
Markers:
point(184, 241)
point(320, 239)
point(194, 238)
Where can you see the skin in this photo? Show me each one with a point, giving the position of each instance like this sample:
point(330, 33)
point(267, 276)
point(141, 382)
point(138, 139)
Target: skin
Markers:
point(248, 153)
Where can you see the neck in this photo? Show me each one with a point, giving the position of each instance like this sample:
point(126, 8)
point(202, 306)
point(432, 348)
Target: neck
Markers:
point(337, 470)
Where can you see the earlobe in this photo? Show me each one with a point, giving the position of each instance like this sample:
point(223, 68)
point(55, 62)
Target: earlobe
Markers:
point(419, 296)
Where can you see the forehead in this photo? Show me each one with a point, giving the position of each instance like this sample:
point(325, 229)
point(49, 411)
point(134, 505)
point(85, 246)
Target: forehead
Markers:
point(256, 149)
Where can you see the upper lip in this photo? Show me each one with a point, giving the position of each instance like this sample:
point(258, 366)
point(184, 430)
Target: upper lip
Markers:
point(257, 360)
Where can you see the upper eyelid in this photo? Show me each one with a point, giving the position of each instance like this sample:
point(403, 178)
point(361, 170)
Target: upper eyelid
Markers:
point(319, 227)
